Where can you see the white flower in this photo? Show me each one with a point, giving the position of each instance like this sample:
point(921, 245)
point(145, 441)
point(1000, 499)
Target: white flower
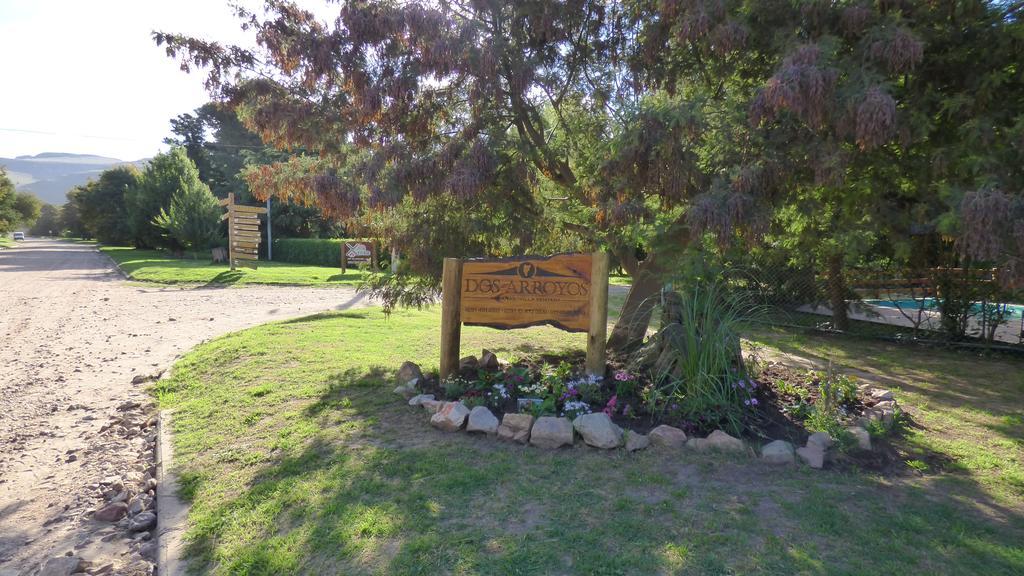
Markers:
point(575, 408)
point(535, 388)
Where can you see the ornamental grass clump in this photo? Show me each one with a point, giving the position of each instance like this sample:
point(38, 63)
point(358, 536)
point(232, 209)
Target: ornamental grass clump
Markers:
point(694, 363)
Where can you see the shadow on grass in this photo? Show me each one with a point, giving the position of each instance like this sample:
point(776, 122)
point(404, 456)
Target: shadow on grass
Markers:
point(346, 277)
point(346, 503)
point(226, 277)
point(1011, 426)
point(946, 371)
point(527, 348)
point(339, 388)
point(350, 523)
point(360, 314)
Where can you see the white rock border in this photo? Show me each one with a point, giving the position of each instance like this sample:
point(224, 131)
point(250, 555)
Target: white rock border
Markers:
point(518, 427)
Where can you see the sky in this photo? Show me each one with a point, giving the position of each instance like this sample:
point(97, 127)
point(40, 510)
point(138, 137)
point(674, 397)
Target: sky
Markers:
point(84, 76)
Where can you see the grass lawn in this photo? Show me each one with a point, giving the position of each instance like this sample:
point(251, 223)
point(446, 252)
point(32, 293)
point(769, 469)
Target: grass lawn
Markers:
point(298, 458)
point(159, 267)
point(967, 408)
point(620, 279)
point(7, 242)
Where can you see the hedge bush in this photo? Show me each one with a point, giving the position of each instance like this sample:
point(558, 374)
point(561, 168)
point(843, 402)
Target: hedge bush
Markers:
point(313, 251)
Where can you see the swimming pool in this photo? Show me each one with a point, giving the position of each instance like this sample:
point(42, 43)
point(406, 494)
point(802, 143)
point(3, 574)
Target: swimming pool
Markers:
point(1015, 310)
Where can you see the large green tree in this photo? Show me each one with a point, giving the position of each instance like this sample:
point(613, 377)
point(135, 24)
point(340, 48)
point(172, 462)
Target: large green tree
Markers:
point(48, 223)
point(190, 131)
point(973, 96)
point(223, 150)
point(103, 205)
point(164, 175)
point(9, 217)
point(218, 144)
point(192, 218)
point(890, 113)
point(16, 208)
point(636, 123)
point(71, 214)
point(451, 123)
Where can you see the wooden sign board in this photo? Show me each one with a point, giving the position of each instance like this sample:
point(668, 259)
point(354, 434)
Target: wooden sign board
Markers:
point(250, 209)
point(358, 252)
point(568, 291)
point(521, 292)
point(243, 232)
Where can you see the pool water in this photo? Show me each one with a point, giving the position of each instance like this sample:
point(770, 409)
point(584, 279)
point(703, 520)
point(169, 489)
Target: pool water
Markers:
point(1014, 310)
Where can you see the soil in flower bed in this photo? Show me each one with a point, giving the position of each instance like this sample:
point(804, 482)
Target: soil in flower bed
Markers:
point(776, 418)
point(781, 401)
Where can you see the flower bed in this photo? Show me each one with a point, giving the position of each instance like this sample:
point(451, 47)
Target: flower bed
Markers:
point(829, 416)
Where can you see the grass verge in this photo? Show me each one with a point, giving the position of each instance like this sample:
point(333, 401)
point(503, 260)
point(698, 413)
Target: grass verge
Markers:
point(967, 408)
point(298, 459)
point(159, 267)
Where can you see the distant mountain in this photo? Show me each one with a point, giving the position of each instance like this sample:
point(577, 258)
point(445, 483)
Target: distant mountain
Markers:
point(51, 174)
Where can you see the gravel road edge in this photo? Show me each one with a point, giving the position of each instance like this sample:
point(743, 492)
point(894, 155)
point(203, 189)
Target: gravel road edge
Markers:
point(172, 512)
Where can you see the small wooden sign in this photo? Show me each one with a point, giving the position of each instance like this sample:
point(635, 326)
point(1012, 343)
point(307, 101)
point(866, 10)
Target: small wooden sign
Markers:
point(521, 292)
point(568, 291)
point(251, 209)
point(358, 252)
point(243, 232)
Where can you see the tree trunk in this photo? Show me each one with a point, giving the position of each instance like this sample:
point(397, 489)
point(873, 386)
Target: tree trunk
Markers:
point(837, 293)
point(629, 331)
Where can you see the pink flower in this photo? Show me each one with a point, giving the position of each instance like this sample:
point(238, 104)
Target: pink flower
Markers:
point(609, 409)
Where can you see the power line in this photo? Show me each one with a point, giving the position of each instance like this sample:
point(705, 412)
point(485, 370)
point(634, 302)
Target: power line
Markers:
point(213, 144)
point(40, 132)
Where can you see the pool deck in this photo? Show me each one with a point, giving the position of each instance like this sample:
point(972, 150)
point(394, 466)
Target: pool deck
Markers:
point(1008, 332)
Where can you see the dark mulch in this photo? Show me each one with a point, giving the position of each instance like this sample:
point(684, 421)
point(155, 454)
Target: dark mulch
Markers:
point(774, 418)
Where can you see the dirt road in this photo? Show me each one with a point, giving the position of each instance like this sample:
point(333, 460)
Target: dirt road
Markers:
point(73, 336)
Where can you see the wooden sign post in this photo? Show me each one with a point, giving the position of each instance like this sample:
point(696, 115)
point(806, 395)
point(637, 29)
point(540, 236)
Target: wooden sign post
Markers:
point(567, 291)
point(358, 253)
point(243, 232)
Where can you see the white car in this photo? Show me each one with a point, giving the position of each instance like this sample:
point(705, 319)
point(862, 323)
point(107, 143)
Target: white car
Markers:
point(19, 235)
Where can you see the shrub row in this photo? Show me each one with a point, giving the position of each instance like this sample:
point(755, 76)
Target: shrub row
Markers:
point(313, 251)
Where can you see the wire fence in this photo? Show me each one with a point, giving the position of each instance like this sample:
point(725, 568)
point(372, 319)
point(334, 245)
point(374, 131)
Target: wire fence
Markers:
point(958, 307)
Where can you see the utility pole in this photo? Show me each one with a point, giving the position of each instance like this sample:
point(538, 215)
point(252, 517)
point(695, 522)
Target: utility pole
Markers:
point(270, 240)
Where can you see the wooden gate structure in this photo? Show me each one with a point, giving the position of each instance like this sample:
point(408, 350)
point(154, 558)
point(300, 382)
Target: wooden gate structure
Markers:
point(243, 232)
point(567, 291)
